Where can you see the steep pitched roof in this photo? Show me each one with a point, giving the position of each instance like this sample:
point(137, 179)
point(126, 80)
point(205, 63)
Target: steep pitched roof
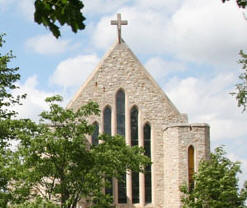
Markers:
point(116, 47)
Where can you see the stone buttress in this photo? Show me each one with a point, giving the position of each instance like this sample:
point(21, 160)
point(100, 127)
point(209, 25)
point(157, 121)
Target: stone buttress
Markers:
point(177, 140)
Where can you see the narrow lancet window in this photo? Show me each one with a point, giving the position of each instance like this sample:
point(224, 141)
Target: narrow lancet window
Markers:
point(134, 126)
point(107, 120)
point(95, 135)
point(134, 141)
point(191, 167)
point(148, 173)
point(107, 130)
point(121, 112)
point(122, 196)
point(120, 105)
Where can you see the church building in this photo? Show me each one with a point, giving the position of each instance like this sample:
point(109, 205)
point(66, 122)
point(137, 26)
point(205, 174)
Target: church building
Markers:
point(133, 105)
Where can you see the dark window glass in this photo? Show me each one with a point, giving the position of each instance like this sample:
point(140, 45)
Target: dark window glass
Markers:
point(122, 198)
point(95, 135)
point(134, 126)
point(135, 187)
point(191, 167)
point(134, 141)
point(147, 140)
point(107, 130)
point(148, 186)
point(107, 120)
point(121, 113)
point(148, 173)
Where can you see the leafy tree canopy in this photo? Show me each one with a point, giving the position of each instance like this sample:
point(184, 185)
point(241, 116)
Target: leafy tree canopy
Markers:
point(60, 166)
point(216, 184)
point(37, 203)
point(54, 164)
point(8, 78)
point(240, 3)
point(241, 88)
point(51, 12)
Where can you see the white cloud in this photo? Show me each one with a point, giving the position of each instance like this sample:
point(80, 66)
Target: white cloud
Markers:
point(27, 8)
point(34, 104)
point(209, 101)
point(103, 35)
point(192, 30)
point(159, 68)
point(4, 4)
point(94, 7)
point(234, 157)
point(209, 32)
point(141, 33)
point(159, 5)
point(72, 72)
point(47, 44)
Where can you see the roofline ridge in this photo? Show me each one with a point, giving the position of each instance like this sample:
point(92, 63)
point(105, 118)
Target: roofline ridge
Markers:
point(84, 84)
point(114, 45)
point(153, 80)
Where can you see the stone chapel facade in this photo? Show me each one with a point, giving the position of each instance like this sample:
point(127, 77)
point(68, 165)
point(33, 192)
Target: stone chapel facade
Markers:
point(133, 105)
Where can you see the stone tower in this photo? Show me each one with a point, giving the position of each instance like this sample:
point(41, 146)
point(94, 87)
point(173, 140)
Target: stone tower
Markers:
point(128, 96)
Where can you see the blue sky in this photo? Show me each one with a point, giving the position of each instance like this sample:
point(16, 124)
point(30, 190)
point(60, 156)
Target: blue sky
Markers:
point(190, 47)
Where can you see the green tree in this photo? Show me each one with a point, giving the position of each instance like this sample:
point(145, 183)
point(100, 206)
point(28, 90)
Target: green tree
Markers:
point(4, 178)
point(59, 165)
point(241, 88)
point(216, 184)
point(240, 3)
point(8, 78)
point(51, 12)
point(37, 203)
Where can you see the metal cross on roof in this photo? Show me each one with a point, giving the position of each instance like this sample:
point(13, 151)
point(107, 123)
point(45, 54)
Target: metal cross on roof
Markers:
point(119, 22)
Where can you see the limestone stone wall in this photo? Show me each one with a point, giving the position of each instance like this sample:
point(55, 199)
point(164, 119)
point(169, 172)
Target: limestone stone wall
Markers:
point(177, 139)
point(120, 69)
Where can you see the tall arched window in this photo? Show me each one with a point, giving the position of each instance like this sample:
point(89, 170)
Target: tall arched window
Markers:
point(134, 141)
point(120, 112)
point(191, 166)
point(107, 130)
point(95, 135)
point(120, 105)
point(107, 120)
point(148, 173)
point(134, 125)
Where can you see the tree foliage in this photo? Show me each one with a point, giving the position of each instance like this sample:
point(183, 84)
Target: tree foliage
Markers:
point(37, 203)
point(241, 94)
point(54, 164)
point(241, 88)
point(240, 3)
point(4, 178)
point(216, 184)
point(60, 166)
point(51, 12)
point(8, 78)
